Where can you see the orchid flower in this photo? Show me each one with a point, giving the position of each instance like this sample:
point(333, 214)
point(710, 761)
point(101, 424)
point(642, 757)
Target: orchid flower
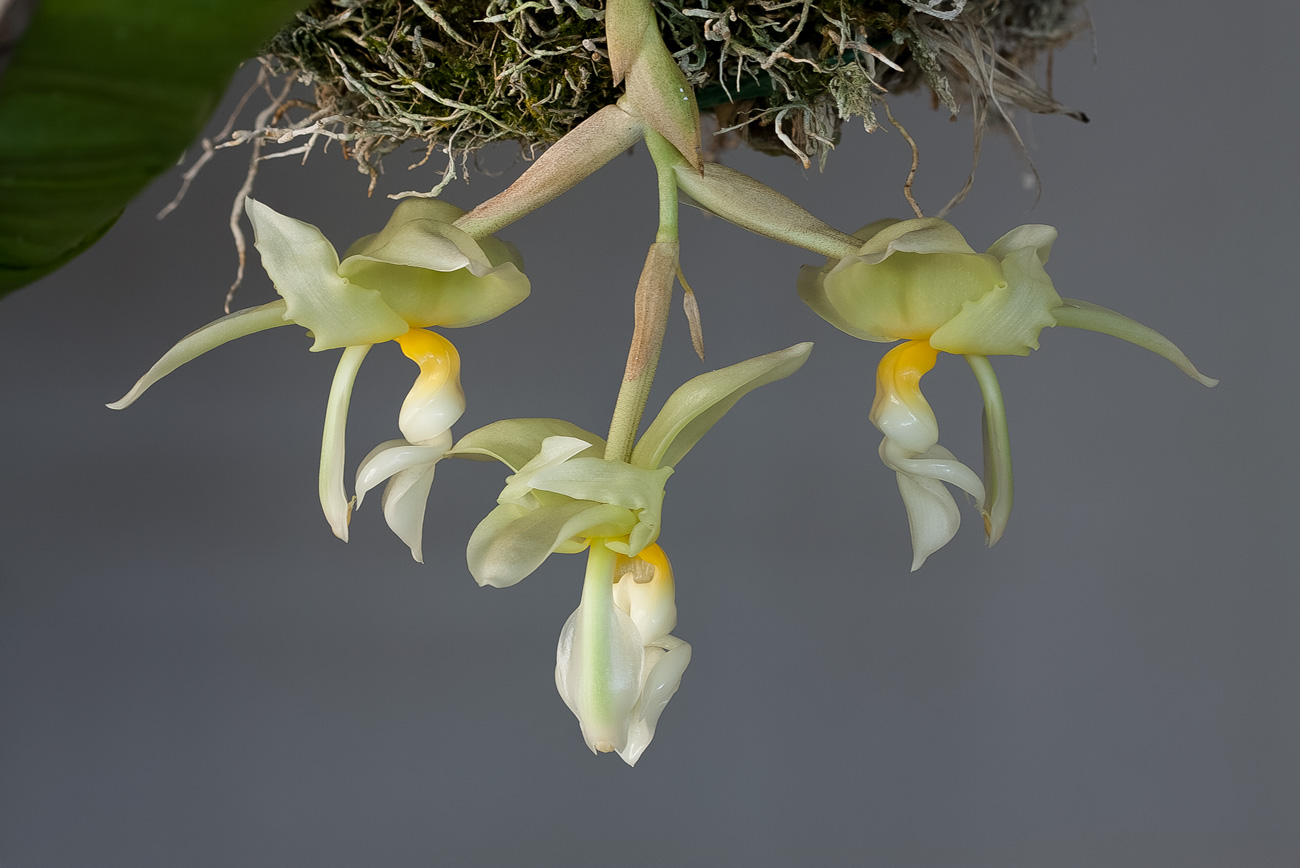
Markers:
point(616, 664)
point(419, 271)
point(920, 282)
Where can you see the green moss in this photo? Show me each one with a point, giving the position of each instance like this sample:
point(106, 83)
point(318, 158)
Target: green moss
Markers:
point(784, 74)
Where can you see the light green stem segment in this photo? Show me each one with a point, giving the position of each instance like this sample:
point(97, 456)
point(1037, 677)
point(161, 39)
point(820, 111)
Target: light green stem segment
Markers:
point(583, 150)
point(596, 620)
point(654, 293)
point(998, 486)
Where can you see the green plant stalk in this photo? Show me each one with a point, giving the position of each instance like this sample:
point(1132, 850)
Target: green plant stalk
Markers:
point(654, 294)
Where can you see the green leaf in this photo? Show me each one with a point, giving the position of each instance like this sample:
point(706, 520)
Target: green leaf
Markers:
point(100, 97)
point(695, 407)
point(514, 442)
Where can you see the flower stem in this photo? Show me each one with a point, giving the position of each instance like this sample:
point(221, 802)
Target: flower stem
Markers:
point(654, 292)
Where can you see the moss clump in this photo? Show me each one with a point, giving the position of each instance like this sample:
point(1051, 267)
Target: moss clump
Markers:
point(781, 75)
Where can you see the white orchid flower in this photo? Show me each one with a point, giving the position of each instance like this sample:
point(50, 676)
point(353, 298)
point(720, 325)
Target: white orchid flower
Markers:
point(920, 282)
point(616, 664)
point(419, 271)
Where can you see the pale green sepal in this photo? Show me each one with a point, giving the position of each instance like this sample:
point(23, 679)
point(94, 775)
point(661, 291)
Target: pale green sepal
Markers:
point(1039, 236)
point(1006, 320)
point(998, 484)
point(304, 268)
point(918, 235)
point(616, 483)
point(450, 298)
point(1092, 317)
point(334, 500)
point(514, 540)
point(555, 450)
point(812, 289)
point(866, 233)
point(515, 442)
point(414, 243)
point(407, 211)
point(700, 402)
point(211, 336)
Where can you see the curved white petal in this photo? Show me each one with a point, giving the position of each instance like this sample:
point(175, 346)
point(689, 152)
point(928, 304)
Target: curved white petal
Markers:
point(935, 463)
point(333, 498)
point(404, 502)
point(932, 515)
point(664, 664)
point(210, 336)
point(394, 456)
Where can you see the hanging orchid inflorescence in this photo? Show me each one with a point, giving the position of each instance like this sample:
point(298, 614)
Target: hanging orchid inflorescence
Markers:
point(432, 267)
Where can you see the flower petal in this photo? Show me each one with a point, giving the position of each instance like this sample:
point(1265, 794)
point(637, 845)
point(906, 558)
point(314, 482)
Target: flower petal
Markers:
point(304, 268)
point(613, 482)
point(516, 442)
point(932, 513)
point(436, 400)
point(699, 403)
point(394, 456)
point(210, 336)
point(1093, 317)
point(405, 499)
point(1036, 235)
point(551, 451)
point(997, 451)
point(929, 235)
point(333, 498)
point(899, 409)
point(664, 664)
point(651, 604)
point(513, 540)
point(1007, 319)
point(598, 667)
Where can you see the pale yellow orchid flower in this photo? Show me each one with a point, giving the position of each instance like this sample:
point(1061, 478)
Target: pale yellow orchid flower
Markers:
point(419, 271)
point(920, 282)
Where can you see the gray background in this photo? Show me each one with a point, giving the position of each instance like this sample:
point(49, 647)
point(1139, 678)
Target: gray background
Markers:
point(193, 672)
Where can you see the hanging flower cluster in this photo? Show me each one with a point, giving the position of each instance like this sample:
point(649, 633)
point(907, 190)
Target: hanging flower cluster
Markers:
point(569, 490)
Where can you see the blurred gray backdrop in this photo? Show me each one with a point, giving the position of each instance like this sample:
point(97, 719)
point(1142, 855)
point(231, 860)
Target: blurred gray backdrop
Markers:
point(193, 672)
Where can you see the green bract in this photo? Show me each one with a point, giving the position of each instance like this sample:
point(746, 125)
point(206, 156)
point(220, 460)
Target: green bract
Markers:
point(564, 493)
